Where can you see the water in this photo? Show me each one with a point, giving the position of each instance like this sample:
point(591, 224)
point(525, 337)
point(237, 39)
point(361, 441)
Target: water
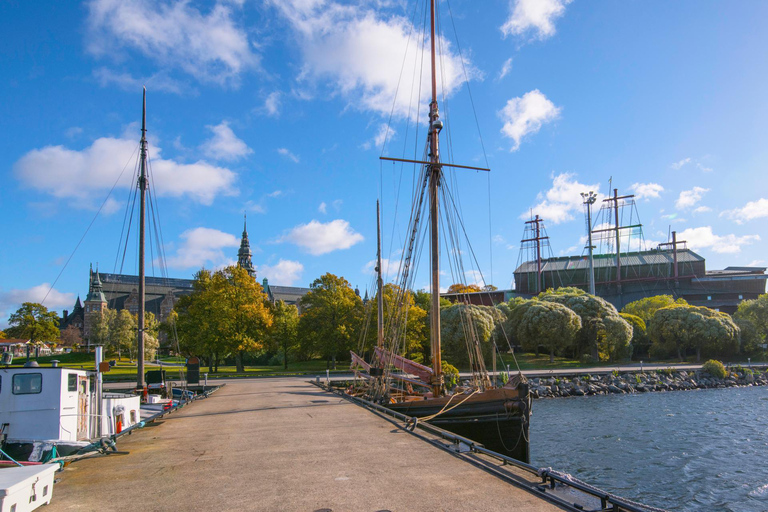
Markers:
point(684, 450)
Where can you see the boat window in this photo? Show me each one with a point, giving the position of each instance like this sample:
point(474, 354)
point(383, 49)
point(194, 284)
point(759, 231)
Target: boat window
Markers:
point(27, 383)
point(72, 382)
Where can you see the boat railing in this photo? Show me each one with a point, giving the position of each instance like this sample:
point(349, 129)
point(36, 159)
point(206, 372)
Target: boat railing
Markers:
point(549, 477)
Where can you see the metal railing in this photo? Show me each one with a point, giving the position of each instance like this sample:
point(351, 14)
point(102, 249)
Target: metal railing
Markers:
point(549, 477)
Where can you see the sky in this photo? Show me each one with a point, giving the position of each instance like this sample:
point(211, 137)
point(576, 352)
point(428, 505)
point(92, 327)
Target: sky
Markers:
point(280, 109)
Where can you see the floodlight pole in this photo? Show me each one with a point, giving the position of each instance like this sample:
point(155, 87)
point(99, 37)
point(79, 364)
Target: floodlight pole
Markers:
point(589, 200)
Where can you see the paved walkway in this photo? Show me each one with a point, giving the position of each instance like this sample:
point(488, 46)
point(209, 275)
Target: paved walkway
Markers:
point(281, 444)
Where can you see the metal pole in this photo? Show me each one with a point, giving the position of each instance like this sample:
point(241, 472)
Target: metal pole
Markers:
point(591, 255)
point(142, 215)
point(618, 237)
point(674, 256)
point(99, 385)
point(538, 257)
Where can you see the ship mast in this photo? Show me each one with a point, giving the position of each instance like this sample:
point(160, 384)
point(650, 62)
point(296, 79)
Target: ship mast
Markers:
point(142, 216)
point(379, 282)
point(435, 125)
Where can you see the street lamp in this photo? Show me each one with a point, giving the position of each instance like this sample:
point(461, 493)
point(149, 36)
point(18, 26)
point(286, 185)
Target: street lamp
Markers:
point(589, 199)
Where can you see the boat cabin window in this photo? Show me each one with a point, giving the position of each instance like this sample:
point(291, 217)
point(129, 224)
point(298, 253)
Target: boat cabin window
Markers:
point(27, 383)
point(72, 382)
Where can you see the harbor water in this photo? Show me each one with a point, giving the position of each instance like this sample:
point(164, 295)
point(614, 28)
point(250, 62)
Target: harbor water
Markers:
point(684, 450)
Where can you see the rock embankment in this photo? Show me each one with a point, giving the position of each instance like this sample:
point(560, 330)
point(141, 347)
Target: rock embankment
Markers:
point(641, 382)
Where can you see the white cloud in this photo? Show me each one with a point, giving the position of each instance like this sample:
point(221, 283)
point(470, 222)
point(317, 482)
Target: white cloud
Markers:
point(361, 53)
point(560, 202)
point(159, 81)
point(526, 115)
point(323, 208)
point(689, 198)
point(505, 68)
point(702, 209)
point(203, 246)
point(647, 191)
point(703, 237)
point(276, 194)
point(703, 168)
point(320, 238)
point(384, 134)
point(287, 153)
point(750, 211)
point(534, 16)
point(273, 104)
point(209, 46)
point(225, 145)
point(73, 132)
point(678, 165)
point(68, 173)
point(756, 263)
point(12, 300)
point(285, 273)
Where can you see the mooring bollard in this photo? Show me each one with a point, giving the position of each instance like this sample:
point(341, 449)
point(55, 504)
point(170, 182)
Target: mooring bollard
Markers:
point(328, 377)
point(641, 366)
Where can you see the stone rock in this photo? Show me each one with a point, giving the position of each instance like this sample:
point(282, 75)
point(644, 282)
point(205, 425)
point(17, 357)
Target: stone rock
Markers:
point(614, 389)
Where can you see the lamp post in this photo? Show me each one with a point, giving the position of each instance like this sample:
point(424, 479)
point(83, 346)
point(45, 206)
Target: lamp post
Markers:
point(589, 199)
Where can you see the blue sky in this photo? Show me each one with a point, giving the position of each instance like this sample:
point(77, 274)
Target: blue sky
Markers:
point(280, 108)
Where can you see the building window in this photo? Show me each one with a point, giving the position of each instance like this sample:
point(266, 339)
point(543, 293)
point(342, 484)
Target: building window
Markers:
point(709, 297)
point(72, 382)
point(27, 383)
point(741, 297)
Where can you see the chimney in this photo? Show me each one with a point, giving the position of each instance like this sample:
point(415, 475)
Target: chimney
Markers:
point(65, 314)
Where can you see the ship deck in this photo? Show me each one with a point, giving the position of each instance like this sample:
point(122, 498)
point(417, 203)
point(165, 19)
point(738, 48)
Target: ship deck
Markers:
point(282, 444)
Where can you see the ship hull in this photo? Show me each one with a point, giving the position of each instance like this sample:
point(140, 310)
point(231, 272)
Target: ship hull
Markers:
point(498, 418)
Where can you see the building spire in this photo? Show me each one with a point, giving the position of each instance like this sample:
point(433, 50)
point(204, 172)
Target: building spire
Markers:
point(244, 253)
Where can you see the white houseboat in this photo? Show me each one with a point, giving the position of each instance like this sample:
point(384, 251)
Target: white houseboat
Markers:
point(42, 408)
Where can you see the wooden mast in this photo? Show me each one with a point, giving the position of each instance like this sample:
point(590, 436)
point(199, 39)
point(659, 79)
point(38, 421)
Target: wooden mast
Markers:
point(142, 215)
point(434, 185)
point(379, 283)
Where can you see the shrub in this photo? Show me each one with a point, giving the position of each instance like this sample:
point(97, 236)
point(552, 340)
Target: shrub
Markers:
point(450, 374)
point(715, 369)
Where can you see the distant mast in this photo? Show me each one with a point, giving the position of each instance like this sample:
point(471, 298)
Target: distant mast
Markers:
point(142, 216)
point(379, 283)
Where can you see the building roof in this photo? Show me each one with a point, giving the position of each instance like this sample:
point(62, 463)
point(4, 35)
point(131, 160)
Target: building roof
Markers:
point(288, 294)
point(654, 257)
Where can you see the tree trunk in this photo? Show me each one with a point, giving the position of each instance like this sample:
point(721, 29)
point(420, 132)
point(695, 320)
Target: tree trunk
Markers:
point(698, 354)
point(551, 355)
point(210, 363)
point(239, 362)
point(285, 356)
point(334, 362)
point(679, 354)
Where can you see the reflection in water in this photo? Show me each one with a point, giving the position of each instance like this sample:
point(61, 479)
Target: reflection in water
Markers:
point(680, 450)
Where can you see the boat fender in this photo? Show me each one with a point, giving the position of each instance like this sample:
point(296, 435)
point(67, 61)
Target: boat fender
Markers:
point(411, 424)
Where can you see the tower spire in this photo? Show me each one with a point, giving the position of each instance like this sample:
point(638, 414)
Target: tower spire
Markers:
point(244, 254)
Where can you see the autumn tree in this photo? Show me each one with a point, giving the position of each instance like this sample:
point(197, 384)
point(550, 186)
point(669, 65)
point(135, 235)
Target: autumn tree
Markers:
point(646, 307)
point(2, 335)
point(332, 315)
point(100, 329)
point(123, 332)
point(284, 334)
point(227, 313)
point(464, 288)
point(548, 324)
point(33, 321)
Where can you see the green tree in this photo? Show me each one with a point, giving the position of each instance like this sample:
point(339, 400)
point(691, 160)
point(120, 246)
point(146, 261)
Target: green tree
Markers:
point(284, 335)
point(756, 311)
point(332, 315)
point(33, 321)
point(100, 330)
point(466, 333)
point(123, 333)
point(464, 288)
point(680, 327)
point(227, 313)
point(603, 332)
point(641, 343)
point(645, 308)
point(407, 321)
point(549, 324)
point(505, 333)
point(749, 338)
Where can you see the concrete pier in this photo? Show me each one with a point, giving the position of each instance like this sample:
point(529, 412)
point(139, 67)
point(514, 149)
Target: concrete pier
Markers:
point(282, 444)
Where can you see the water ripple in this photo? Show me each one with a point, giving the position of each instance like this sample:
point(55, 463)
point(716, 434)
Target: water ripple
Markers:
point(688, 451)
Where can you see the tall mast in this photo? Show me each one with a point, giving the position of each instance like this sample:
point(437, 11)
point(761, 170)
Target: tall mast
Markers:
point(379, 282)
point(434, 184)
point(142, 215)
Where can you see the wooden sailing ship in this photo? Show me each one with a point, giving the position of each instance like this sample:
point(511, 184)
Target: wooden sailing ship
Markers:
point(484, 410)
